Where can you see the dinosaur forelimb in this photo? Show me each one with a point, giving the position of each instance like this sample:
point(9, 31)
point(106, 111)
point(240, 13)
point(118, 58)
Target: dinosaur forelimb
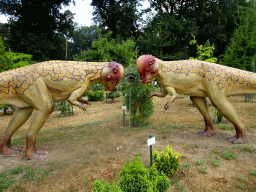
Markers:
point(83, 99)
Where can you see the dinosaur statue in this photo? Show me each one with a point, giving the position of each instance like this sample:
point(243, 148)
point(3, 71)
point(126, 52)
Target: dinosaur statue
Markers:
point(33, 90)
point(200, 79)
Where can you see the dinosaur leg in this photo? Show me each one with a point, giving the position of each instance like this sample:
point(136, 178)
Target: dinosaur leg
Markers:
point(201, 105)
point(40, 98)
point(38, 119)
point(19, 117)
point(227, 110)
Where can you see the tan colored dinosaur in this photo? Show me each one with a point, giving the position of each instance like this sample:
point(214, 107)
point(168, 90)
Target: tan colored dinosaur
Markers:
point(33, 90)
point(200, 79)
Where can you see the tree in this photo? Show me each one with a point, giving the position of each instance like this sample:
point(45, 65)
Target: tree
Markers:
point(204, 53)
point(206, 19)
point(120, 17)
point(105, 49)
point(242, 49)
point(82, 38)
point(37, 27)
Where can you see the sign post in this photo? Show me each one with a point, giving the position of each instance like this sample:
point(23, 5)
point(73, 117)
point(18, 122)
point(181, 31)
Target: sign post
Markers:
point(151, 141)
point(124, 108)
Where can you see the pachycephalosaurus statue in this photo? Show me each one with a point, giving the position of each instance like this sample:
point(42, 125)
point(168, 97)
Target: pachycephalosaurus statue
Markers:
point(33, 90)
point(200, 79)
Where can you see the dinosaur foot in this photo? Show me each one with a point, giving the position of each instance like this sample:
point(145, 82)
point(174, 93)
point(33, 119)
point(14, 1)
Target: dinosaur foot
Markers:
point(17, 148)
point(236, 140)
point(207, 133)
point(10, 150)
point(37, 154)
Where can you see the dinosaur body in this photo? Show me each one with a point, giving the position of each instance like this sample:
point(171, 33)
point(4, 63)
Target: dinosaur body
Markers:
point(33, 90)
point(200, 79)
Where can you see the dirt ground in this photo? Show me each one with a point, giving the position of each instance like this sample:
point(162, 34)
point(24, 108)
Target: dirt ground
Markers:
point(94, 145)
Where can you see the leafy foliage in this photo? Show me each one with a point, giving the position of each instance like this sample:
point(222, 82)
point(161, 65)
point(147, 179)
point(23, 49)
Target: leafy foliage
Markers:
point(142, 107)
point(241, 52)
point(65, 108)
point(167, 162)
point(96, 95)
point(42, 36)
point(205, 53)
point(114, 94)
point(101, 186)
point(106, 49)
point(207, 19)
point(120, 17)
point(135, 177)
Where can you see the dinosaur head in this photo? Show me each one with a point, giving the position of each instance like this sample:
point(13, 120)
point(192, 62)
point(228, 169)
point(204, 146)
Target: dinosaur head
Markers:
point(146, 65)
point(112, 75)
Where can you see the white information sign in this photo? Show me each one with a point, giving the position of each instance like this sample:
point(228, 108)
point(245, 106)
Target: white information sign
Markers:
point(124, 107)
point(151, 141)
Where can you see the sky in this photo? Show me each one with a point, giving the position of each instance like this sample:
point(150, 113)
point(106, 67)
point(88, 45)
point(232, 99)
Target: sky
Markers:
point(82, 9)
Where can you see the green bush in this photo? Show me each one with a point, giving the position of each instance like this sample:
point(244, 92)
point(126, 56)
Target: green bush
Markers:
point(135, 177)
point(65, 108)
point(101, 186)
point(142, 106)
point(96, 95)
point(167, 162)
point(114, 94)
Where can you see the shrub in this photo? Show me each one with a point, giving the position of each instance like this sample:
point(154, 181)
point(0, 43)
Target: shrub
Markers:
point(114, 94)
point(167, 163)
point(97, 95)
point(101, 186)
point(135, 177)
point(142, 107)
point(65, 108)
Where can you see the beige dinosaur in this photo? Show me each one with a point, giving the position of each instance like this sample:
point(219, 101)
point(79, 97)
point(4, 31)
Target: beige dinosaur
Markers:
point(200, 79)
point(33, 90)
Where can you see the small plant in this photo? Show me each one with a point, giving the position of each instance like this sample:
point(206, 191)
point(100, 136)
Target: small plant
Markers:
point(29, 175)
point(253, 172)
point(135, 177)
point(216, 150)
point(248, 148)
point(200, 161)
point(101, 186)
point(241, 185)
point(65, 108)
point(215, 162)
point(228, 155)
point(196, 145)
point(167, 162)
point(203, 169)
point(187, 166)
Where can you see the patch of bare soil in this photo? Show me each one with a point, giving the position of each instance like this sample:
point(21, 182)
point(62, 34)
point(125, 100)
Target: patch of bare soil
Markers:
point(94, 145)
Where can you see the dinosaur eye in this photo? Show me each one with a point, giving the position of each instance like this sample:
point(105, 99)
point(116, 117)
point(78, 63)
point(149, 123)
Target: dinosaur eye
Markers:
point(109, 77)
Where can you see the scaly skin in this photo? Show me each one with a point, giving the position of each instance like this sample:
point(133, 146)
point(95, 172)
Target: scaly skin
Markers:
point(200, 79)
point(33, 90)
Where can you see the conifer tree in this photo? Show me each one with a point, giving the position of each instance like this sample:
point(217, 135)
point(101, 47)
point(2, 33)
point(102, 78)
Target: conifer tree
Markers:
point(242, 49)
